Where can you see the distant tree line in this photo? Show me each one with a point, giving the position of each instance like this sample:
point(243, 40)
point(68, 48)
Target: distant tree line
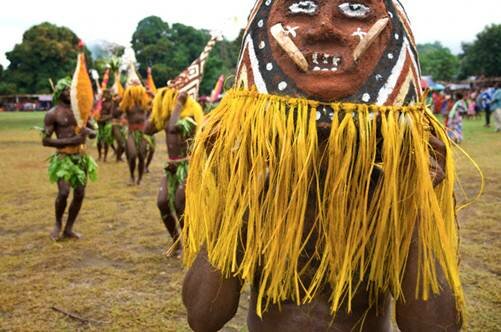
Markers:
point(49, 51)
point(479, 58)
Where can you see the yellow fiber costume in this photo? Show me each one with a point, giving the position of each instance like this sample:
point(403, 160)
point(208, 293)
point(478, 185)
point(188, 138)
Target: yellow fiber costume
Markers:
point(257, 163)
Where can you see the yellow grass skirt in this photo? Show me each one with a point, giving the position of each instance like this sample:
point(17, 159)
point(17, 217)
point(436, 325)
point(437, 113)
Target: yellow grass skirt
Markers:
point(257, 160)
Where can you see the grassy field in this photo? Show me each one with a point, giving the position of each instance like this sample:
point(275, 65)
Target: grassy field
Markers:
point(116, 275)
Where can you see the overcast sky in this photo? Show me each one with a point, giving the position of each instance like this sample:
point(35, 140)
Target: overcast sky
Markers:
point(448, 21)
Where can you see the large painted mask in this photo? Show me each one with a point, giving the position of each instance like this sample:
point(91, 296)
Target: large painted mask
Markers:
point(359, 51)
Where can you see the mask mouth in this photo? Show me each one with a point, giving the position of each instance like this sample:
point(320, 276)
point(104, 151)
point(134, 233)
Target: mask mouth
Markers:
point(322, 62)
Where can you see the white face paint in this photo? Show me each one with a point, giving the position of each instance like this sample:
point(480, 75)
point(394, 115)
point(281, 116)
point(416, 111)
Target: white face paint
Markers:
point(291, 31)
point(359, 33)
point(354, 10)
point(303, 7)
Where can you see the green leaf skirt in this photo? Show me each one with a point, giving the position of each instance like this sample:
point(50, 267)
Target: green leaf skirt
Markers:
point(74, 169)
point(105, 133)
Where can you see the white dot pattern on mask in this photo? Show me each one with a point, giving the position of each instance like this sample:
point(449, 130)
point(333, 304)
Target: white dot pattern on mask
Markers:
point(269, 66)
point(390, 56)
point(397, 36)
point(268, 2)
point(319, 115)
point(260, 23)
point(262, 45)
point(366, 97)
point(282, 86)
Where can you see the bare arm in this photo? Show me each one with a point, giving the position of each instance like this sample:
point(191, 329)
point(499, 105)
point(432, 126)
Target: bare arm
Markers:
point(150, 129)
point(437, 314)
point(176, 114)
point(210, 299)
point(89, 131)
point(49, 128)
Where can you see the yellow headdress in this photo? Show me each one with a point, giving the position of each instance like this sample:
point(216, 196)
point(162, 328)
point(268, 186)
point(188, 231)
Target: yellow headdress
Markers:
point(163, 106)
point(135, 96)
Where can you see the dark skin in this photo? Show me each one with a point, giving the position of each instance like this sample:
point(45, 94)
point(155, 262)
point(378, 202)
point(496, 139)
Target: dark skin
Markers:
point(177, 146)
point(151, 150)
point(61, 121)
point(106, 116)
point(117, 129)
point(212, 299)
point(136, 155)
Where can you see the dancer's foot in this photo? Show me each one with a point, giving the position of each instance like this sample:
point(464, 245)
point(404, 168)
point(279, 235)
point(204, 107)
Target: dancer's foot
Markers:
point(54, 235)
point(70, 235)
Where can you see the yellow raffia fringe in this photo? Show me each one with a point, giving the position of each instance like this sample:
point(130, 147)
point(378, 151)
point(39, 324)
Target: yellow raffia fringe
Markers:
point(164, 104)
point(135, 96)
point(257, 160)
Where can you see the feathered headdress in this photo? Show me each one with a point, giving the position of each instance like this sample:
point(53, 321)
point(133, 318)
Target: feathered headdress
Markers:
point(260, 165)
point(82, 95)
point(150, 83)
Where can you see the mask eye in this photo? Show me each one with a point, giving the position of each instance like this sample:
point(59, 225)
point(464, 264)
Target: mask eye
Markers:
point(354, 10)
point(303, 7)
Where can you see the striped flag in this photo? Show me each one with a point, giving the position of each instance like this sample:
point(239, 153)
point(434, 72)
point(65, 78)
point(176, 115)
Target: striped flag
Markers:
point(190, 79)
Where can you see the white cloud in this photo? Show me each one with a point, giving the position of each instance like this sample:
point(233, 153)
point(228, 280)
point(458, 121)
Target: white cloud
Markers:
point(449, 21)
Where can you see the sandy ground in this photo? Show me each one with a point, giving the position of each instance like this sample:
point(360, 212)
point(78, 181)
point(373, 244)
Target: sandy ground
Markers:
point(116, 276)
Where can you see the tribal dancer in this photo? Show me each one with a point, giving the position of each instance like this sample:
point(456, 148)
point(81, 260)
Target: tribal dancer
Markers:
point(152, 90)
point(176, 111)
point(118, 128)
point(70, 166)
point(178, 115)
point(105, 126)
point(323, 181)
point(135, 104)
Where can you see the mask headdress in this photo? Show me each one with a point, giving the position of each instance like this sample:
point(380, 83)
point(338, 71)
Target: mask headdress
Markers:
point(395, 80)
point(261, 162)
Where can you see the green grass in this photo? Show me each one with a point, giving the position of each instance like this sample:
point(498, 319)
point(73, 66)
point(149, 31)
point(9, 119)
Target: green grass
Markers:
point(117, 274)
point(20, 120)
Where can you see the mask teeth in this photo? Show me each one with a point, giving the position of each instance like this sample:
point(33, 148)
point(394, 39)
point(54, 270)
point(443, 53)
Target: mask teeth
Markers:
point(324, 62)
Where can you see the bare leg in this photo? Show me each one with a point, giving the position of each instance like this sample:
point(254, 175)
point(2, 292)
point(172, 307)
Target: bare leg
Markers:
point(131, 157)
point(141, 154)
point(106, 147)
point(210, 299)
point(437, 314)
point(151, 154)
point(117, 135)
point(76, 204)
point(181, 202)
point(60, 206)
point(99, 149)
point(167, 215)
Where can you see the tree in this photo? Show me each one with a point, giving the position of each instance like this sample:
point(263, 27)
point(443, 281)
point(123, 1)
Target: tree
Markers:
point(483, 56)
point(170, 49)
point(47, 51)
point(438, 61)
